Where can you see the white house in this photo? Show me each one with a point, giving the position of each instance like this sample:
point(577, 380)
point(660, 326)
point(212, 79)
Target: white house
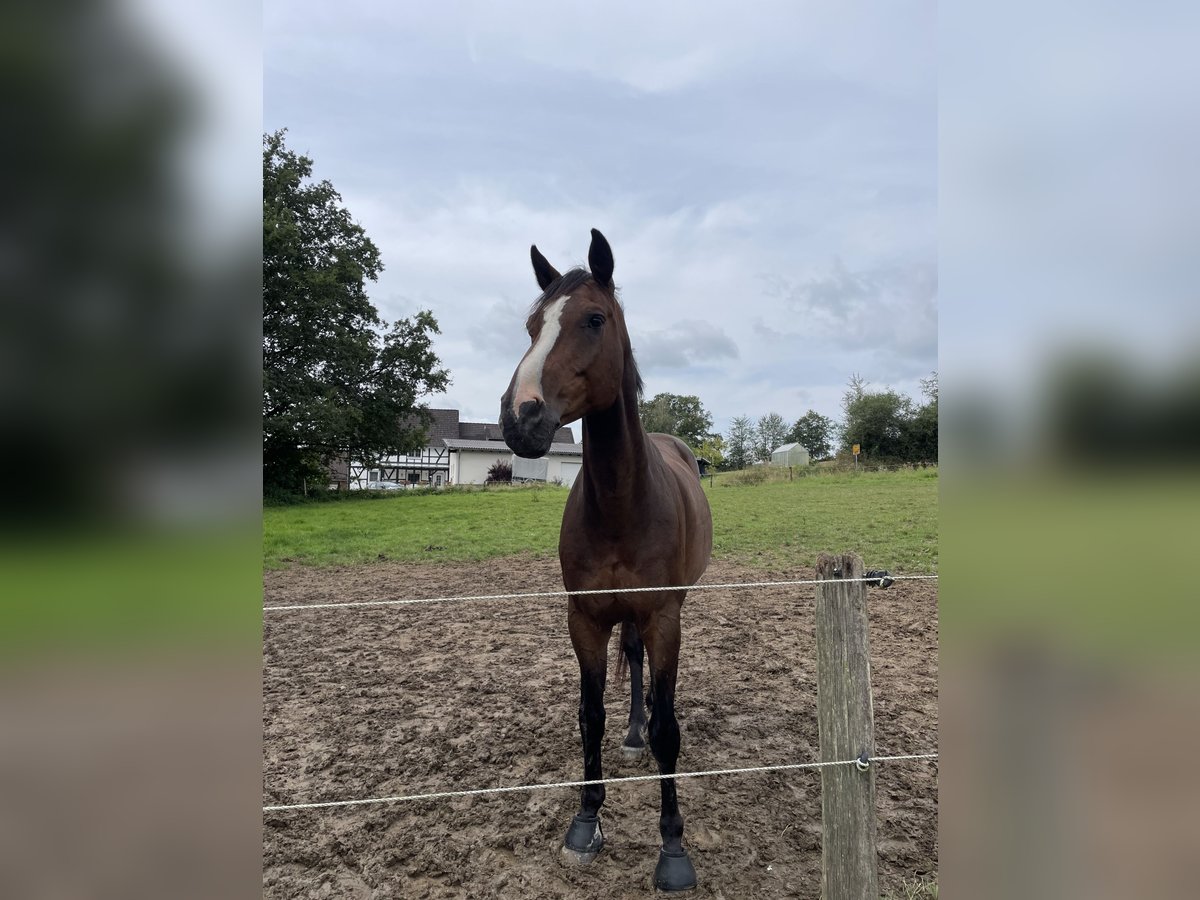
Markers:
point(470, 461)
point(437, 463)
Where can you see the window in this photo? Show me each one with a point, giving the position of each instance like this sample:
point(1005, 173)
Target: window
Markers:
point(373, 475)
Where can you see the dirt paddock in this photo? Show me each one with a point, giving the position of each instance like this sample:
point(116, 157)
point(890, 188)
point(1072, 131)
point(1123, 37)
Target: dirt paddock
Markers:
point(382, 701)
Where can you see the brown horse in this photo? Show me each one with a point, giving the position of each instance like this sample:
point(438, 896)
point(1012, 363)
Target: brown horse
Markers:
point(636, 517)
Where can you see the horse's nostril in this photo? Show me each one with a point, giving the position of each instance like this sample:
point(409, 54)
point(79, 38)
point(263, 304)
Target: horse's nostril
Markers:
point(530, 408)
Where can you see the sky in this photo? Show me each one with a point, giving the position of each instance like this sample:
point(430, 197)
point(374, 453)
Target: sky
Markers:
point(767, 182)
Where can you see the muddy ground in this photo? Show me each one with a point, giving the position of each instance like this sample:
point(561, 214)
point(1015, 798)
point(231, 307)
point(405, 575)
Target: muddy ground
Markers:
point(376, 702)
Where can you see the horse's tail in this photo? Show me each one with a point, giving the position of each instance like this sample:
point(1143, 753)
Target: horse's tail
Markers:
point(622, 659)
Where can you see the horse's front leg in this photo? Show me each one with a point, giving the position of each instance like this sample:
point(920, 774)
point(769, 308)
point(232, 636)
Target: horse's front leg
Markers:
point(662, 635)
point(585, 838)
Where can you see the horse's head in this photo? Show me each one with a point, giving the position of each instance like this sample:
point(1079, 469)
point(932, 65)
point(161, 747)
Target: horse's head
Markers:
point(579, 358)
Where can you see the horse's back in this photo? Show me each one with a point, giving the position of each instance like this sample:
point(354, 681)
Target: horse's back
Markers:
point(673, 448)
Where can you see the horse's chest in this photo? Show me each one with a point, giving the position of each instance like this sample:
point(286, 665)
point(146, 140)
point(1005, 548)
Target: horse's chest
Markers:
point(620, 564)
point(642, 548)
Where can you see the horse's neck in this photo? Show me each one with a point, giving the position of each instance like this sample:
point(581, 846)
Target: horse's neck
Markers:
point(618, 460)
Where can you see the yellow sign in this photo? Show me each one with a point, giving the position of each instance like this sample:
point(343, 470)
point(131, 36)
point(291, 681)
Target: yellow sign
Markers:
point(854, 450)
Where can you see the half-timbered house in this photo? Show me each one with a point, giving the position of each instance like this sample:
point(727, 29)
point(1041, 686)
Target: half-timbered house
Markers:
point(440, 460)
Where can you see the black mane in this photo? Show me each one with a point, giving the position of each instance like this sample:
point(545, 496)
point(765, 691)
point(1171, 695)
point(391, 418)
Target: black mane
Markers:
point(564, 284)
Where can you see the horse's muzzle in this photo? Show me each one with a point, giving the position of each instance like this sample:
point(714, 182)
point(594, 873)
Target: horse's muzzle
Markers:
point(530, 431)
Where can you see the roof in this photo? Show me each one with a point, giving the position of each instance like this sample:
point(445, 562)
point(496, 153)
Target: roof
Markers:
point(446, 426)
point(479, 431)
point(556, 449)
point(791, 446)
point(466, 444)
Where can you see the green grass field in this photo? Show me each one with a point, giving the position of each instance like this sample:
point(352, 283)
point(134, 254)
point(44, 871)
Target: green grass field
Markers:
point(890, 518)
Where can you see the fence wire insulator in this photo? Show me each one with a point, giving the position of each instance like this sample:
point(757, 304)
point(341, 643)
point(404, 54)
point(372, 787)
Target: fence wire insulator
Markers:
point(863, 762)
point(880, 578)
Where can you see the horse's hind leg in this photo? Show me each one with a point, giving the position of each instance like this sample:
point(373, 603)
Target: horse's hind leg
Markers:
point(634, 650)
point(661, 635)
point(584, 838)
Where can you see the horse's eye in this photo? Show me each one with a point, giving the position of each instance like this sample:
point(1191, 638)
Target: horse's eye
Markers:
point(595, 320)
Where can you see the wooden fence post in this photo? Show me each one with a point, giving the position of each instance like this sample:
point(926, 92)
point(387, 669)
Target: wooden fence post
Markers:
point(849, 862)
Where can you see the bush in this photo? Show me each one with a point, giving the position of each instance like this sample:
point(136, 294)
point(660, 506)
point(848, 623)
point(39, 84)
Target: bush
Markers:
point(753, 475)
point(278, 496)
point(499, 473)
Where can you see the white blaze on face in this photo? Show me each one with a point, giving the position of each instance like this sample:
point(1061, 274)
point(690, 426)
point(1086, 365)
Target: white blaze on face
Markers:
point(529, 373)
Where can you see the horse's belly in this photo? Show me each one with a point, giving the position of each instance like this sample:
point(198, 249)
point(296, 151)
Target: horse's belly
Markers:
point(624, 566)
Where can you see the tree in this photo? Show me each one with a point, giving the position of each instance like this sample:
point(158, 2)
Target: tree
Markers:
point(683, 416)
point(923, 427)
point(739, 445)
point(772, 433)
point(712, 449)
point(878, 421)
point(929, 387)
point(814, 432)
point(855, 389)
point(336, 379)
point(888, 426)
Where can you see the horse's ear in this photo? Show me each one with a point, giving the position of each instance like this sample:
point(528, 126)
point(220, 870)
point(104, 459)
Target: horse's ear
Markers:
point(546, 273)
point(600, 259)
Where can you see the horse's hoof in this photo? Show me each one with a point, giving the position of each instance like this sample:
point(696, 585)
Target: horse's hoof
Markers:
point(584, 840)
point(630, 749)
point(674, 871)
point(575, 858)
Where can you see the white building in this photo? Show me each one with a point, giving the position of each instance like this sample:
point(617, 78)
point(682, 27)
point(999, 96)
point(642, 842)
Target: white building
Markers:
point(562, 463)
point(470, 461)
point(789, 455)
point(438, 463)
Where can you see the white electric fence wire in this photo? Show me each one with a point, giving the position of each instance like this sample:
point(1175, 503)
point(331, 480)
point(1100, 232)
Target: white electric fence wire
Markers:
point(443, 795)
point(638, 590)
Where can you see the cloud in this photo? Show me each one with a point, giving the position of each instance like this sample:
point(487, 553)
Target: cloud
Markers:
point(692, 288)
point(889, 311)
point(686, 344)
point(499, 331)
point(652, 48)
point(726, 157)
